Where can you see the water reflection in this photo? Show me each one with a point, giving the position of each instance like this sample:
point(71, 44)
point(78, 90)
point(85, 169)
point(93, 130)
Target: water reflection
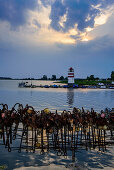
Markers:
point(31, 93)
point(70, 97)
point(56, 99)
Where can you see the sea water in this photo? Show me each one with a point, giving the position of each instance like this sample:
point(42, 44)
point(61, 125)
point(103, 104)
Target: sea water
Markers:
point(55, 99)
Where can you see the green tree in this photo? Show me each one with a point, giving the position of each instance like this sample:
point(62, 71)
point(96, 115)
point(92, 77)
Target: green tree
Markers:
point(66, 78)
point(97, 78)
point(91, 77)
point(53, 77)
point(44, 77)
point(61, 78)
point(112, 75)
point(88, 78)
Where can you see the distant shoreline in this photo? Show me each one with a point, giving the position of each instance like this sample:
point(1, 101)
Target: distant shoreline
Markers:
point(81, 83)
point(16, 79)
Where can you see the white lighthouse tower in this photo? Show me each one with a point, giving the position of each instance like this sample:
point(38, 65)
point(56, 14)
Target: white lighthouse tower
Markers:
point(70, 76)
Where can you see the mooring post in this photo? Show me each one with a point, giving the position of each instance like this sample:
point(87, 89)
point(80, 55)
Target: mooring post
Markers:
point(62, 136)
point(65, 136)
point(3, 135)
point(35, 139)
point(27, 138)
point(68, 136)
point(42, 141)
point(86, 140)
point(10, 134)
point(98, 138)
point(74, 135)
point(104, 140)
point(32, 137)
point(73, 155)
point(93, 136)
point(47, 140)
point(72, 139)
point(81, 134)
point(77, 139)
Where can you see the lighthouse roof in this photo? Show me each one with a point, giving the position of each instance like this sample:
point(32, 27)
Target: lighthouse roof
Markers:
point(71, 69)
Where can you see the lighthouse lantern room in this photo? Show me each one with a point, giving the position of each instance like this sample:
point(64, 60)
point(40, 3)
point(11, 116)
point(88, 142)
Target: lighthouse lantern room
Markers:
point(71, 76)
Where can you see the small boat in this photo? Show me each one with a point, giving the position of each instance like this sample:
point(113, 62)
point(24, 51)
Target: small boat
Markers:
point(65, 86)
point(55, 86)
point(22, 84)
point(111, 87)
point(83, 86)
point(103, 87)
point(75, 86)
point(46, 86)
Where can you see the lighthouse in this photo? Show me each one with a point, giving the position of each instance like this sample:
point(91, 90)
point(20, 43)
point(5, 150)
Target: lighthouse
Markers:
point(71, 76)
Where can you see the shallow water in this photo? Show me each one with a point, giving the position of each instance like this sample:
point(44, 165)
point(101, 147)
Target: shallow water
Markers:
point(56, 99)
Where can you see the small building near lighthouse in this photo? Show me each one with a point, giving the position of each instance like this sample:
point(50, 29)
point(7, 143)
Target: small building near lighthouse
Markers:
point(70, 76)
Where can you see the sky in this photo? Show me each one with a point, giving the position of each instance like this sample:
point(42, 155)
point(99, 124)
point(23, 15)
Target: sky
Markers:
point(40, 37)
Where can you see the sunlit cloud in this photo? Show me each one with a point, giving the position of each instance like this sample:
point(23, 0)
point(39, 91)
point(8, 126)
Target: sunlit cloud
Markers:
point(38, 29)
point(63, 19)
point(88, 29)
point(103, 16)
point(45, 33)
point(85, 37)
point(41, 15)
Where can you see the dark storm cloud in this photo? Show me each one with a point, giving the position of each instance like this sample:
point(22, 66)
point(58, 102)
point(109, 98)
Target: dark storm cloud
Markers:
point(79, 12)
point(46, 2)
point(58, 10)
point(13, 11)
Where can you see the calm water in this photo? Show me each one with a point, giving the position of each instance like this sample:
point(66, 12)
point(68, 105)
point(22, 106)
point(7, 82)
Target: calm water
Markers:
point(60, 99)
point(55, 99)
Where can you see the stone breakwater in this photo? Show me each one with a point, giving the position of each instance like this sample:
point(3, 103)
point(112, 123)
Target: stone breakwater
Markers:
point(24, 128)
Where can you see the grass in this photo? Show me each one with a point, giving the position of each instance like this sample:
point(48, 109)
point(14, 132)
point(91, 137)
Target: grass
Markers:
point(3, 167)
point(87, 82)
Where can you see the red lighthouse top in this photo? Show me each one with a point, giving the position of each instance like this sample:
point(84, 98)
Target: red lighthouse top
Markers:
point(71, 69)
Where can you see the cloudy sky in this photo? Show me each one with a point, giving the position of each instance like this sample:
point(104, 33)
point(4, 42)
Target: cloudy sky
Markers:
point(48, 36)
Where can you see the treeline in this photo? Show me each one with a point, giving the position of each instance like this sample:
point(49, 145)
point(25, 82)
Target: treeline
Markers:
point(5, 78)
point(91, 77)
point(61, 78)
point(44, 77)
point(92, 80)
point(53, 77)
